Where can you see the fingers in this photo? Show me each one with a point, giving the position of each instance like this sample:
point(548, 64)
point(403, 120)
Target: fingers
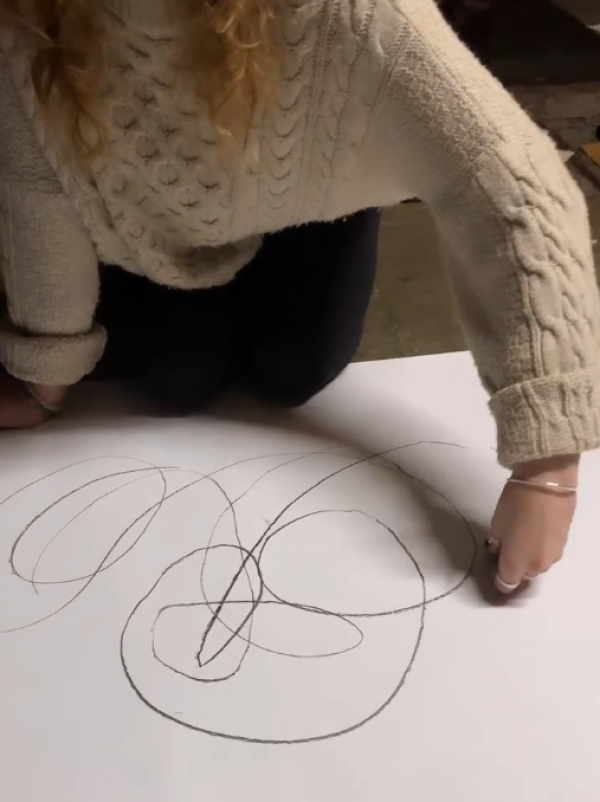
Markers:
point(529, 535)
point(508, 580)
point(511, 573)
point(502, 584)
point(493, 546)
point(510, 587)
point(509, 576)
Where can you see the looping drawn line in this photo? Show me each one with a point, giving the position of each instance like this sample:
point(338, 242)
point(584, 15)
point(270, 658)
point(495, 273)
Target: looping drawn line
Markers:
point(248, 573)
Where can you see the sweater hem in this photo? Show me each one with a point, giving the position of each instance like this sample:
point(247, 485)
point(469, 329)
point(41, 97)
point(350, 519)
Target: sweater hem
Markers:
point(51, 360)
point(548, 417)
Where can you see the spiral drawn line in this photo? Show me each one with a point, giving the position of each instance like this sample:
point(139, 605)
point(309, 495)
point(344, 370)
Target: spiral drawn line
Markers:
point(236, 639)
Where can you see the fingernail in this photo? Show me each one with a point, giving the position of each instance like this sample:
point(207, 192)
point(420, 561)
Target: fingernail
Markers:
point(507, 586)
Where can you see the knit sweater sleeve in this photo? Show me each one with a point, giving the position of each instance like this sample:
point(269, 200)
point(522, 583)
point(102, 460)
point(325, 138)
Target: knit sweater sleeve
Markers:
point(48, 263)
point(514, 229)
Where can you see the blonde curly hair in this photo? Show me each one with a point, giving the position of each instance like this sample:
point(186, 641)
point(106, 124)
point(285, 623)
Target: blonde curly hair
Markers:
point(227, 47)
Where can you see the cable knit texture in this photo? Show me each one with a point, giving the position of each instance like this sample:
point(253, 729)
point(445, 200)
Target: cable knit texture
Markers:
point(378, 103)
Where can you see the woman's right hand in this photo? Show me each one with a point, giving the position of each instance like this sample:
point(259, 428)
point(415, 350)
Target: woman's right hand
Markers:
point(18, 410)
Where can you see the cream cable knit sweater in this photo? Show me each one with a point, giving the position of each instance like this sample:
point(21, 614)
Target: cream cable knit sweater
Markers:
point(379, 103)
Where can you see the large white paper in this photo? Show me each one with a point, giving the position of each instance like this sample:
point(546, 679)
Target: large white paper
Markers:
point(231, 609)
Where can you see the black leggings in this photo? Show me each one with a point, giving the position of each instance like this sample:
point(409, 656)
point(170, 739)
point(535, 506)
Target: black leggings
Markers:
point(286, 327)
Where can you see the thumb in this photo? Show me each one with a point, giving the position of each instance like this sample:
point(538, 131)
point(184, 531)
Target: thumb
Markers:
point(510, 572)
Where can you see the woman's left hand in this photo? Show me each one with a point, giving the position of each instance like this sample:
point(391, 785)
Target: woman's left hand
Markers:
point(18, 409)
point(531, 526)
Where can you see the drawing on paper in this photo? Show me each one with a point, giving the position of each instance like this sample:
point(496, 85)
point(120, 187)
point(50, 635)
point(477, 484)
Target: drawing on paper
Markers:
point(228, 632)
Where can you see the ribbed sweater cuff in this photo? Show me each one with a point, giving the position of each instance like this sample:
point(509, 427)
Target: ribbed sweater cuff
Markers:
point(548, 417)
point(53, 360)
